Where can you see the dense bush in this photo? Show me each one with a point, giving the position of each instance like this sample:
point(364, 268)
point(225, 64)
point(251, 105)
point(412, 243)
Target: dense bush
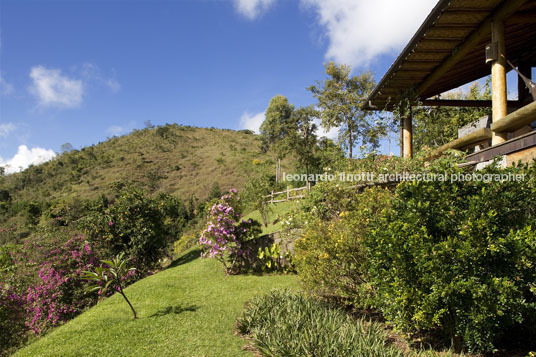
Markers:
point(283, 323)
point(458, 257)
point(46, 276)
point(137, 225)
point(330, 256)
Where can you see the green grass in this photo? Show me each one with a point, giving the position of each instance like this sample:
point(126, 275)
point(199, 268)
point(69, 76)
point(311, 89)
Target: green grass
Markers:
point(275, 215)
point(186, 310)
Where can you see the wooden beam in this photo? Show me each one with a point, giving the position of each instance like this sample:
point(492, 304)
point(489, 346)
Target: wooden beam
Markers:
point(507, 8)
point(516, 120)
point(498, 81)
point(466, 103)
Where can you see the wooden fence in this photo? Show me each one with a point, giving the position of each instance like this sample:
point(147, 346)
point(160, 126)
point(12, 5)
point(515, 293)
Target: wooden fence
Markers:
point(291, 194)
point(303, 190)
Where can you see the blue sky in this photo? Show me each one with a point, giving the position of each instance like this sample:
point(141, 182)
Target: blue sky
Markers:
point(81, 71)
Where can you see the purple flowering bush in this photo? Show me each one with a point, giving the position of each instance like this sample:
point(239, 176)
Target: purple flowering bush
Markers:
point(40, 287)
point(225, 233)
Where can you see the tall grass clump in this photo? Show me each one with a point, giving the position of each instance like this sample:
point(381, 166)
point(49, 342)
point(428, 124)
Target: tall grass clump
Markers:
point(284, 323)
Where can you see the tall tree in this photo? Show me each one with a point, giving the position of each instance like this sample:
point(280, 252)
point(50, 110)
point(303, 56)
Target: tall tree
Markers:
point(277, 127)
point(340, 101)
point(305, 139)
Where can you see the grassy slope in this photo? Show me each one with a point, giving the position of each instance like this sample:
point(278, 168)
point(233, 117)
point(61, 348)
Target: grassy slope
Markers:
point(275, 215)
point(187, 310)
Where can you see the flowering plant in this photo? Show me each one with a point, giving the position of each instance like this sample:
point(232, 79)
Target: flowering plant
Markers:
point(225, 234)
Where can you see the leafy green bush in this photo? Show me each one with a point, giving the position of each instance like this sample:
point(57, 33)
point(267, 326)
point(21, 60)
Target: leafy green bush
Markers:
point(137, 225)
point(283, 323)
point(458, 257)
point(330, 257)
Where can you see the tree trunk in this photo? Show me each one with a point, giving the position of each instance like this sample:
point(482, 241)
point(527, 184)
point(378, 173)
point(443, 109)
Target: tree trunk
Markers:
point(350, 143)
point(128, 302)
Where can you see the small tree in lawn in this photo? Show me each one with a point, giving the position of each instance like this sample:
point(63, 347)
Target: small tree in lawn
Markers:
point(223, 237)
point(111, 276)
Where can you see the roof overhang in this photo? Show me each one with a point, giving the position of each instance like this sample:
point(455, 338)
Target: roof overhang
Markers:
point(448, 50)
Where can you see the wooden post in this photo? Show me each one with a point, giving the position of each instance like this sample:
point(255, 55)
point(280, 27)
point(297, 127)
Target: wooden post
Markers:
point(288, 193)
point(498, 80)
point(407, 131)
point(401, 137)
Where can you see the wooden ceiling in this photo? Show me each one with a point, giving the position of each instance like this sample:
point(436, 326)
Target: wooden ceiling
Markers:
point(456, 26)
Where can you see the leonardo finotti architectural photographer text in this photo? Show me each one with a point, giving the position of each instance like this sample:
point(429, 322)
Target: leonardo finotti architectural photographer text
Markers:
point(405, 176)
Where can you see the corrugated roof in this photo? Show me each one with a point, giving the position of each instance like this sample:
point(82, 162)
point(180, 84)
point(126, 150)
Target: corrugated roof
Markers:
point(450, 24)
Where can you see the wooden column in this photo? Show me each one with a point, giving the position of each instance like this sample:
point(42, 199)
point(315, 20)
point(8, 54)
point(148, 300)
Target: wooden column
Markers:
point(498, 80)
point(407, 136)
point(401, 137)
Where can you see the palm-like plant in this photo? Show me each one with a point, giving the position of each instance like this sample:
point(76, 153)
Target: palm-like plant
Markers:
point(110, 275)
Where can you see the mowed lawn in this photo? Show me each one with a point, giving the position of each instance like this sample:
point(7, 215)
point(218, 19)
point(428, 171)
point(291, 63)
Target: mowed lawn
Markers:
point(186, 310)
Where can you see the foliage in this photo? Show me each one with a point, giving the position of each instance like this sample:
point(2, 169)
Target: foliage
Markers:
point(340, 101)
point(11, 319)
point(330, 255)
point(137, 225)
point(305, 141)
point(41, 279)
point(255, 190)
point(274, 260)
point(187, 167)
point(283, 323)
point(458, 257)
point(185, 242)
point(435, 126)
point(276, 130)
point(111, 275)
point(225, 233)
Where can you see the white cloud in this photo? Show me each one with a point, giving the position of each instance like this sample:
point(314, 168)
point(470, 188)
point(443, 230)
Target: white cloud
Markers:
point(251, 9)
point(93, 74)
point(251, 121)
point(6, 128)
point(52, 89)
point(26, 157)
point(116, 130)
point(332, 133)
point(5, 87)
point(360, 30)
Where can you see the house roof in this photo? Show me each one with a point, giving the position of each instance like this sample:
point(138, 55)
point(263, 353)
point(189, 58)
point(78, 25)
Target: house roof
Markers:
point(457, 26)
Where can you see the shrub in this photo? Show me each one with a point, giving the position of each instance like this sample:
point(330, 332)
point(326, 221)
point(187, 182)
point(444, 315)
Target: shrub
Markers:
point(137, 225)
point(330, 256)
point(458, 257)
point(283, 323)
point(225, 233)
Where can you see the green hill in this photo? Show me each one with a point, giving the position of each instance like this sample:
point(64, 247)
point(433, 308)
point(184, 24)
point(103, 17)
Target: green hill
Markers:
point(180, 160)
point(187, 310)
point(174, 159)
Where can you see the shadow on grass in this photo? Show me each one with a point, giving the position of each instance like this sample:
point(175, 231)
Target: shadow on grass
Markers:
point(174, 310)
point(186, 258)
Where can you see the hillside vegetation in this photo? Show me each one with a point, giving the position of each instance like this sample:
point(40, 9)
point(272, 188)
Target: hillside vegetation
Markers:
point(175, 159)
point(183, 161)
